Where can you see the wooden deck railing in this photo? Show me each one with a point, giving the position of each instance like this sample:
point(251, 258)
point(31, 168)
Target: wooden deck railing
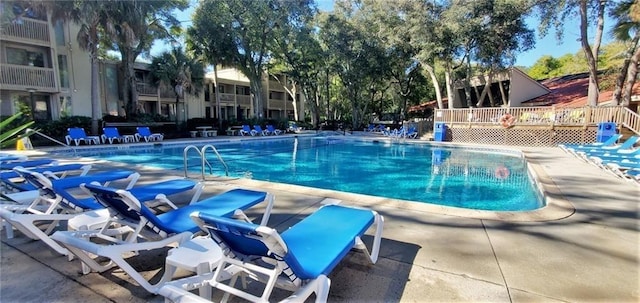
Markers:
point(542, 116)
point(631, 120)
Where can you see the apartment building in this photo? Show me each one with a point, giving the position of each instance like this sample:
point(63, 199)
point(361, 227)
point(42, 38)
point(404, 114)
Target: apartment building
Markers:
point(43, 67)
point(236, 101)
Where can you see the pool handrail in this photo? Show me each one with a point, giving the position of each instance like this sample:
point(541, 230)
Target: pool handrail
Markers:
point(202, 152)
point(213, 148)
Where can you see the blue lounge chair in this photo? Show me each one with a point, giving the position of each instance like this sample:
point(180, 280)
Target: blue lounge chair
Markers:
point(78, 135)
point(9, 157)
point(111, 134)
point(273, 131)
point(300, 258)
point(9, 165)
point(609, 142)
point(411, 133)
point(144, 133)
point(627, 147)
point(57, 203)
point(8, 182)
point(246, 130)
point(257, 130)
point(174, 226)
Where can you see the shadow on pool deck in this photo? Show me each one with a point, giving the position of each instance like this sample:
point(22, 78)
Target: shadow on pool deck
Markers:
point(586, 251)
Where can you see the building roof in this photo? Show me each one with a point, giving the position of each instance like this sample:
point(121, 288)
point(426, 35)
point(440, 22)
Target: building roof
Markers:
point(564, 91)
point(571, 91)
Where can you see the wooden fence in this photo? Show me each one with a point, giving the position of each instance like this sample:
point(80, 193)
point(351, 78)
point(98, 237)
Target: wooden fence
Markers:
point(533, 126)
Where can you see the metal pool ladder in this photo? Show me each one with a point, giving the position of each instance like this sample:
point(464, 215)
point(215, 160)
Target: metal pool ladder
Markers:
point(202, 153)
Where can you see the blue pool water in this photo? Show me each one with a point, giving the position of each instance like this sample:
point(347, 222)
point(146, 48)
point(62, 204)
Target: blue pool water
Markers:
point(467, 178)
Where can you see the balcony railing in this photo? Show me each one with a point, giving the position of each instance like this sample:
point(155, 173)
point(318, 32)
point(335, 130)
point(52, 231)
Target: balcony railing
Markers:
point(27, 29)
point(20, 77)
point(146, 89)
point(277, 104)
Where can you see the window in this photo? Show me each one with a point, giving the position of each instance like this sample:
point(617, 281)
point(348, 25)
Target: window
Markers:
point(64, 71)
point(243, 90)
point(65, 106)
point(59, 32)
point(18, 56)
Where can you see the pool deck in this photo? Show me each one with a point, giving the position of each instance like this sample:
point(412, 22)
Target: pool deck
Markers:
point(582, 248)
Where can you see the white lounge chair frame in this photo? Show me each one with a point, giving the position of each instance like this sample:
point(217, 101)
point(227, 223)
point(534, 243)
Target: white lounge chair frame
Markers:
point(119, 227)
point(231, 267)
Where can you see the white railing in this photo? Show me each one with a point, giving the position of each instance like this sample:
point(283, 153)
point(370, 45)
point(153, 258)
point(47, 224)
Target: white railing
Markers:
point(30, 29)
point(227, 97)
point(22, 77)
point(631, 121)
point(550, 116)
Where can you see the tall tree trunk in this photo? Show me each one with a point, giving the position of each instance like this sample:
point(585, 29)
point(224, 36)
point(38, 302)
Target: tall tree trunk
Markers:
point(631, 78)
point(503, 94)
point(592, 52)
point(486, 90)
point(449, 80)
point(328, 95)
point(218, 106)
point(258, 101)
point(436, 85)
point(128, 84)
point(621, 79)
point(95, 101)
point(467, 83)
point(292, 92)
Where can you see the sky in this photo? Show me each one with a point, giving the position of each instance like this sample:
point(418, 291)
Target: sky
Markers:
point(547, 45)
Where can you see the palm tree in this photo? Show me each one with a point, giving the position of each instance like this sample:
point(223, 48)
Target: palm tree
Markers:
point(175, 70)
point(207, 42)
point(135, 26)
point(90, 16)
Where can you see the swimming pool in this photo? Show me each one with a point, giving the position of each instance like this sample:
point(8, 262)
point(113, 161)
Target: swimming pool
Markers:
point(458, 177)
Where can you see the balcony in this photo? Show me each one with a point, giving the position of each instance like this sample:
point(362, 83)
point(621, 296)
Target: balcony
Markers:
point(279, 104)
point(27, 30)
point(19, 77)
point(146, 89)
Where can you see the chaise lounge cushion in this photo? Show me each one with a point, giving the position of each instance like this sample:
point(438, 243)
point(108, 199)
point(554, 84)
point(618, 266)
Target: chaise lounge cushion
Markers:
point(315, 251)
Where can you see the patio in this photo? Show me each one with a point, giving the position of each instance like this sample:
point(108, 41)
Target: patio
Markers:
point(585, 250)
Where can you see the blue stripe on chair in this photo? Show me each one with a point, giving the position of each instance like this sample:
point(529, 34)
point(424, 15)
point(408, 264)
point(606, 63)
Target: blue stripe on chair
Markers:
point(25, 164)
point(222, 205)
point(313, 251)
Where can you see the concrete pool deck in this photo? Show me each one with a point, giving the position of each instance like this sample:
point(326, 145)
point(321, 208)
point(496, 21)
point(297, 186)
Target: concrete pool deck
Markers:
point(583, 249)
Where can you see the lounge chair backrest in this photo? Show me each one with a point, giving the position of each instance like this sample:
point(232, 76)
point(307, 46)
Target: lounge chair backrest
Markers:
point(237, 236)
point(57, 191)
point(41, 183)
point(258, 128)
point(612, 140)
point(144, 131)
point(77, 133)
point(110, 199)
point(111, 132)
point(629, 143)
point(246, 128)
point(125, 206)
